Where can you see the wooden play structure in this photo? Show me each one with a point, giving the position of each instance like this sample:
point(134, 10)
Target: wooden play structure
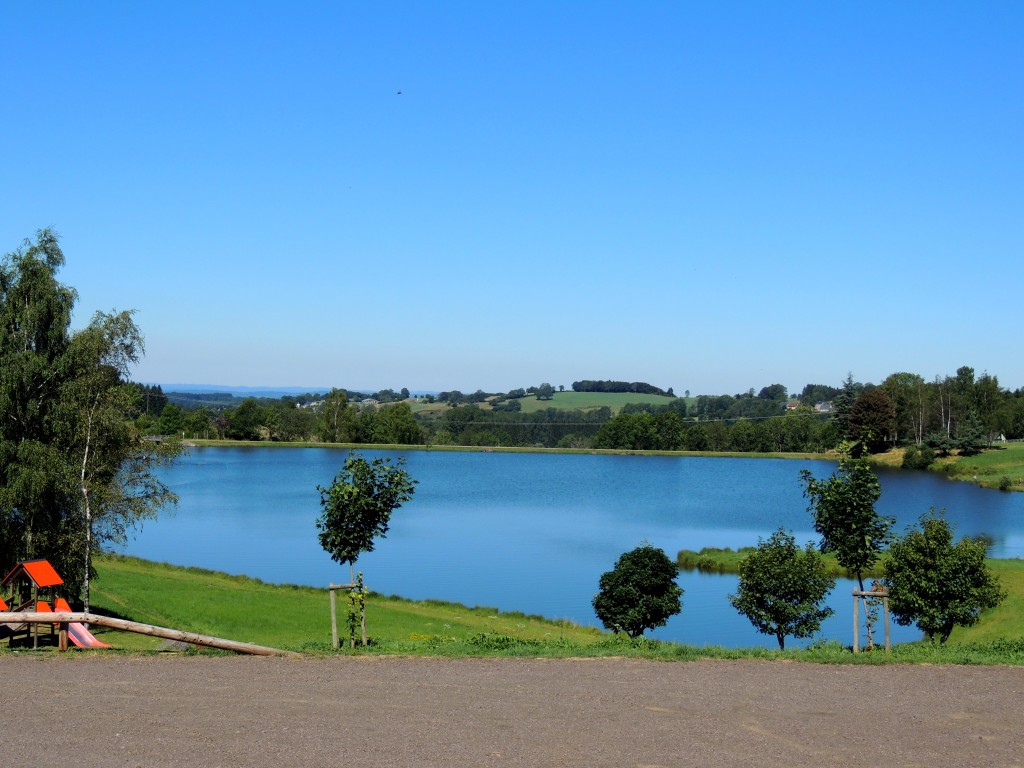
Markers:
point(24, 613)
point(28, 583)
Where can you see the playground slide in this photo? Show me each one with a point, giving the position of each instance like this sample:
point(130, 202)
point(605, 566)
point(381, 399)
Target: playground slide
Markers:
point(82, 637)
point(77, 633)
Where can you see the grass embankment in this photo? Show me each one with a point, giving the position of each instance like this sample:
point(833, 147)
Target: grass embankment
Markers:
point(1000, 467)
point(297, 618)
point(715, 560)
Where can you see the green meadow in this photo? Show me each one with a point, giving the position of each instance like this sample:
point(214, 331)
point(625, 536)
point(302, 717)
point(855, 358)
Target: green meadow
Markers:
point(568, 401)
point(298, 618)
point(1000, 467)
point(565, 401)
point(294, 617)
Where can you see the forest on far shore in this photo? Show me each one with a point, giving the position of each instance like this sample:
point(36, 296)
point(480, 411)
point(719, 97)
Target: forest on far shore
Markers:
point(961, 413)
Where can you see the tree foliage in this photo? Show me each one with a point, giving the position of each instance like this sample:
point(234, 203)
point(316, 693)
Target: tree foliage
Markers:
point(844, 513)
point(937, 584)
point(74, 470)
point(637, 387)
point(782, 587)
point(337, 421)
point(391, 425)
point(357, 505)
point(872, 420)
point(545, 391)
point(640, 593)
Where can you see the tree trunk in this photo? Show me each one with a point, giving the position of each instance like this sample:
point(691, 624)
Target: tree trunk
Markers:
point(87, 510)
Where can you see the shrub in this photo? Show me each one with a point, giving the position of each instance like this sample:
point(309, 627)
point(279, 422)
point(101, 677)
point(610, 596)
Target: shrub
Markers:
point(639, 593)
point(782, 588)
point(918, 458)
point(938, 585)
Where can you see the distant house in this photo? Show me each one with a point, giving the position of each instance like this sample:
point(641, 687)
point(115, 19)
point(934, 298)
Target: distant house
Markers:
point(823, 407)
point(792, 405)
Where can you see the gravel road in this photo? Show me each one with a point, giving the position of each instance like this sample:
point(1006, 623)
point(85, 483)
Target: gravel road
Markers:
point(96, 710)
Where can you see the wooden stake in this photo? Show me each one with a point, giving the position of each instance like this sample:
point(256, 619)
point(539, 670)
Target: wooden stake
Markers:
point(882, 593)
point(334, 620)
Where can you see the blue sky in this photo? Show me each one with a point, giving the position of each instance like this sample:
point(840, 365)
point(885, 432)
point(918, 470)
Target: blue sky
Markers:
point(709, 197)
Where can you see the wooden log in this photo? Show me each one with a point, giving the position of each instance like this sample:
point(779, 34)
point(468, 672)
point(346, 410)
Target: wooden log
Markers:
point(142, 629)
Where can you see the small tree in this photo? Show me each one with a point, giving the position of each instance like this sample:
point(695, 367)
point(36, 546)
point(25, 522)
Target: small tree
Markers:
point(640, 593)
point(936, 584)
point(782, 587)
point(844, 513)
point(357, 506)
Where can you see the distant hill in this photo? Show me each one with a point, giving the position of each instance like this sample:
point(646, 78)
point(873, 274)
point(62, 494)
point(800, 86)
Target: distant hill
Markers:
point(242, 391)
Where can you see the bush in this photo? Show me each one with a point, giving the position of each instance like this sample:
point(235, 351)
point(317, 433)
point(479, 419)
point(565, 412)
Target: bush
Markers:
point(918, 458)
point(1004, 483)
point(938, 585)
point(782, 588)
point(640, 593)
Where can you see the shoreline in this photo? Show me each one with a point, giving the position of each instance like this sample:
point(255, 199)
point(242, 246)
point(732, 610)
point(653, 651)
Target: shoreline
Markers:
point(890, 461)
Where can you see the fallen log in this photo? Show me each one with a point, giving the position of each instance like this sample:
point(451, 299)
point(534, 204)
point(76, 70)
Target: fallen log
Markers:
point(27, 617)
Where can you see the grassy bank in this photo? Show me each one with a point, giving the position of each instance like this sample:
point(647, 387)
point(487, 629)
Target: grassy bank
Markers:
point(715, 560)
point(201, 443)
point(297, 618)
point(293, 617)
point(1001, 467)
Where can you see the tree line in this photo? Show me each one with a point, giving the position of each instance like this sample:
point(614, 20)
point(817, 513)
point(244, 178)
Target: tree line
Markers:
point(636, 387)
point(962, 412)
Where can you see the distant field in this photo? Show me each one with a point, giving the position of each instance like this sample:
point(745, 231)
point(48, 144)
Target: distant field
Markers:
point(567, 401)
point(421, 407)
point(579, 400)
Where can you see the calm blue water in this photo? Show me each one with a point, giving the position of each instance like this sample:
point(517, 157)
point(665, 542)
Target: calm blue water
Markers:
point(533, 532)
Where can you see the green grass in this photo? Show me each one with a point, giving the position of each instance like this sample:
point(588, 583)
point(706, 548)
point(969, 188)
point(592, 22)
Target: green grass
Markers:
point(569, 401)
point(989, 467)
point(297, 618)
point(293, 617)
point(1006, 620)
point(566, 401)
point(715, 560)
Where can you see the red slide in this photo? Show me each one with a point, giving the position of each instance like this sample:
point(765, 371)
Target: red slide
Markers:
point(77, 633)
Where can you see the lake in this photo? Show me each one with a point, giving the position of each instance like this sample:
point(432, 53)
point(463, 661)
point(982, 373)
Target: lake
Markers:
point(534, 532)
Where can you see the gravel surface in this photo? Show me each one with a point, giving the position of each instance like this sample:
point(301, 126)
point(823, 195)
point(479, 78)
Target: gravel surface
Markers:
point(96, 710)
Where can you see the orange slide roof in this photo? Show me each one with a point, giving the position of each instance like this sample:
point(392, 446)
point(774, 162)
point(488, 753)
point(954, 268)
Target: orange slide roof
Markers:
point(40, 571)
